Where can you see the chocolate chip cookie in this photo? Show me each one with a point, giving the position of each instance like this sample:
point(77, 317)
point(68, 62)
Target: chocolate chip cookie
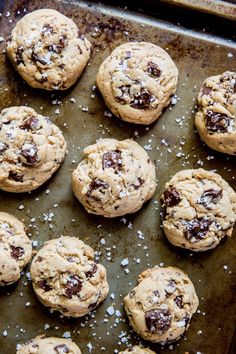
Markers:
point(48, 50)
point(15, 249)
point(216, 116)
point(51, 345)
point(115, 178)
point(66, 277)
point(32, 148)
point(200, 209)
point(137, 80)
point(161, 306)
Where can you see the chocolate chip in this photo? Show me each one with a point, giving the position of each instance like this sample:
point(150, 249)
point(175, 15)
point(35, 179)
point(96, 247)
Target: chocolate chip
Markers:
point(96, 184)
point(142, 100)
point(139, 183)
point(197, 229)
point(172, 196)
point(91, 272)
point(3, 148)
point(29, 123)
point(125, 91)
point(131, 294)
point(18, 177)
point(179, 301)
point(210, 196)
point(235, 86)
point(36, 58)
point(73, 286)
point(42, 284)
point(39, 259)
point(19, 55)
point(158, 320)
point(47, 30)
point(171, 287)
point(17, 252)
point(217, 122)
point(57, 48)
point(153, 69)
point(205, 90)
point(30, 153)
point(112, 159)
point(62, 348)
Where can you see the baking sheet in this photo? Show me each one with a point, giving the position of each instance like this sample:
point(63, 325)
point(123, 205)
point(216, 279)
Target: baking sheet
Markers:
point(171, 142)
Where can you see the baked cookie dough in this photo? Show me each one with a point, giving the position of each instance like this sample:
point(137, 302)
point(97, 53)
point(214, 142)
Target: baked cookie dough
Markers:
point(48, 50)
point(66, 277)
point(137, 350)
point(200, 209)
point(115, 178)
point(160, 307)
point(52, 345)
point(216, 116)
point(137, 80)
point(32, 148)
point(15, 249)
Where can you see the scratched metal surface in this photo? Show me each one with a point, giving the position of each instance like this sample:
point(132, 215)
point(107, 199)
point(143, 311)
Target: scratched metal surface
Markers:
point(197, 56)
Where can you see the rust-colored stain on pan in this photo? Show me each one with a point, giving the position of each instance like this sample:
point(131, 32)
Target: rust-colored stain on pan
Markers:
point(173, 144)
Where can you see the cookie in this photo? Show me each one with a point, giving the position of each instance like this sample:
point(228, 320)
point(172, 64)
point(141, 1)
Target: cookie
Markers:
point(66, 277)
point(160, 307)
point(200, 209)
point(115, 178)
point(32, 148)
point(137, 81)
point(48, 50)
point(137, 350)
point(51, 345)
point(216, 116)
point(15, 249)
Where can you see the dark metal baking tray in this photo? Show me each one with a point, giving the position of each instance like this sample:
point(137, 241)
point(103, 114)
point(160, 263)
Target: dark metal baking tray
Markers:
point(173, 144)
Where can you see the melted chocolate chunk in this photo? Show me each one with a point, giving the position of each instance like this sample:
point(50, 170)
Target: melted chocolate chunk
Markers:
point(96, 184)
point(57, 48)
point(62, 348)
point(142, 100)
point(158, 320)
point(3, 148)
point(39, 259)
point(131, 294)
point(125, 91)
point(47, 30)
point(153, 69)
point(217, 122)
point(19, 55)
point(18, 177)
point(197, 229)
point(17, 252)
point(29, 123)
point(172, 197)
point(73, 286)
point(138, 185)
point(205, 90)
point(91, 272)
point(179, 301)
point(36, 58)
point(112, 159)
point(235, 86)
point(210, 196)
point(42, 284)
point(30, 153)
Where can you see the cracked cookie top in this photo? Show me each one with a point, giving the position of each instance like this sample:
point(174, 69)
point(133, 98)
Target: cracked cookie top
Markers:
point(216, 116)
point(66, 277)
point(48, 50)
point(15, 248)
point(160, 307)
point(200, 209)
point(32, 148)
point(137, 80)
point(115, 178)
